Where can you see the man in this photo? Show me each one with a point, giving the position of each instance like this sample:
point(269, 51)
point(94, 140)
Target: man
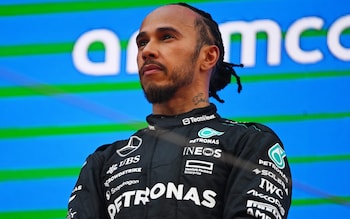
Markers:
point(189, 162)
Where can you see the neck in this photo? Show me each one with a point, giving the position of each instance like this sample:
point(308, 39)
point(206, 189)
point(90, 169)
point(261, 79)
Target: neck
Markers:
point(181, 104)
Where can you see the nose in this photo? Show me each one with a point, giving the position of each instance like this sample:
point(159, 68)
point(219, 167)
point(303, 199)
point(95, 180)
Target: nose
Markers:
point(149, 51)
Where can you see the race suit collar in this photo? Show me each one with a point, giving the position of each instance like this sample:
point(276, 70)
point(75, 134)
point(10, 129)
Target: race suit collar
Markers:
point(192, 117)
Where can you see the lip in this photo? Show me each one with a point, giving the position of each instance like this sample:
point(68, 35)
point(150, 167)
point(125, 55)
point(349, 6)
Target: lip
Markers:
point(150, 69)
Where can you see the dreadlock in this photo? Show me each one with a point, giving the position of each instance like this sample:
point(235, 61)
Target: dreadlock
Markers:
point(210, 33)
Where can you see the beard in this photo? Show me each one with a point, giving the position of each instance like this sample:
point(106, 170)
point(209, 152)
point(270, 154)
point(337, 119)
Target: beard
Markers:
point(159, 94)
point(179, 77)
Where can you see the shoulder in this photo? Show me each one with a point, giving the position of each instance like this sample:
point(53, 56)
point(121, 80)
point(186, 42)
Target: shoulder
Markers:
point(107, 147)
point(249, 135)
point(246, 127)
point(110, 148)
point(103, 153)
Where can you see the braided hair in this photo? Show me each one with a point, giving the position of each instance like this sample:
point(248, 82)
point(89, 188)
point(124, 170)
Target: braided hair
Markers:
point(210, 34)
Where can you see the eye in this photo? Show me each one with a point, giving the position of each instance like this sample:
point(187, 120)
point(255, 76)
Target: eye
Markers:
point(141, 43)
point(167, 36)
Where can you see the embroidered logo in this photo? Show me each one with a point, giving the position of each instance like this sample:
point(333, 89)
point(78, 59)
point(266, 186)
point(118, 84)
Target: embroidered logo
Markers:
point(133, 144)
point(208, 133)
point(277, 154)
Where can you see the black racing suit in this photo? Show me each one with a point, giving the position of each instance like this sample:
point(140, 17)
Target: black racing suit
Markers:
point(195, 165)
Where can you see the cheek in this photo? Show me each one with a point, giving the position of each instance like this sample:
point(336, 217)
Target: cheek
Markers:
point(139, 60)
point(184, 53)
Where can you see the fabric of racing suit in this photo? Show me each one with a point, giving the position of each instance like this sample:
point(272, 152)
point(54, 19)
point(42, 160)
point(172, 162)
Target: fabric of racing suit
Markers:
point(194, 165)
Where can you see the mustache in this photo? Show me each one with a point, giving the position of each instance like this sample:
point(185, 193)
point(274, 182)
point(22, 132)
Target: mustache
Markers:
point(152, 62)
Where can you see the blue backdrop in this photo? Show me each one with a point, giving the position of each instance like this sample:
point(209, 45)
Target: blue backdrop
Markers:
point(68, 84)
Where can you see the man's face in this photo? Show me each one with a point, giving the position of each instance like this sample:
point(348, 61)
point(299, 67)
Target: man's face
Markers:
point(166, 52)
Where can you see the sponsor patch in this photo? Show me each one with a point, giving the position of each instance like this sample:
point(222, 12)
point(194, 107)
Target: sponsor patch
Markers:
point(133, 144)
point(71, 214)
point(208, 133)
point(264, 207)
point(277, 155)
point(197, 167)
point(202, 151)
point(170, 190)
point(190, 120)
point(122, 173)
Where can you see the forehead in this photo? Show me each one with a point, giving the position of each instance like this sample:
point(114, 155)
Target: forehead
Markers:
point(175, 16)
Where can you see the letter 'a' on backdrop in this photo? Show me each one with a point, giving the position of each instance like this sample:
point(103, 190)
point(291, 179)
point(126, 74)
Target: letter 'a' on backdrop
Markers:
point(69, 83)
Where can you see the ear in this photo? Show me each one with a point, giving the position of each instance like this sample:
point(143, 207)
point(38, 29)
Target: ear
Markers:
point(210, 54)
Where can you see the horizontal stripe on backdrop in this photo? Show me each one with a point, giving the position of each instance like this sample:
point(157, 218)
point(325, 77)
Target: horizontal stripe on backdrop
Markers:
point(60, 172)
point(46, 49)
point(47, 89)
point(67, 47)
point(79, 6)
point(17, 132)
point(61, 213)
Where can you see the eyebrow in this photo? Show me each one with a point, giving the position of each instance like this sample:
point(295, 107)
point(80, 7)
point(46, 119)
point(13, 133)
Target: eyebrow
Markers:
point(159, 30)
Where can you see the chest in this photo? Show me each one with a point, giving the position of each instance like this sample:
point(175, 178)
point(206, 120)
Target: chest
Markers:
point(191, 156)
point(163, 167)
